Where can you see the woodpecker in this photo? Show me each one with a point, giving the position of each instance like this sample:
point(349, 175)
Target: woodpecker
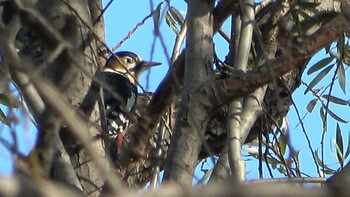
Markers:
point(121, 74)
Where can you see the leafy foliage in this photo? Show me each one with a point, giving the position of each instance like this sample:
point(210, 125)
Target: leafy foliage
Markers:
point(174, 19)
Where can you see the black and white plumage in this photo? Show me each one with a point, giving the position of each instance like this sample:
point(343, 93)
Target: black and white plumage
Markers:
point(121, 74)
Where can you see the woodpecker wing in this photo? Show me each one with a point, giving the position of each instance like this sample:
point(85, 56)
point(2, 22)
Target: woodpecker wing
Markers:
point(121, 94)
point(120, 99)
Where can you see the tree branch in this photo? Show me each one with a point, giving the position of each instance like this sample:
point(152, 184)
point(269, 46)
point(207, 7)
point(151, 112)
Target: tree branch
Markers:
point(188, 134)
point(234, 133)
point(217, 92)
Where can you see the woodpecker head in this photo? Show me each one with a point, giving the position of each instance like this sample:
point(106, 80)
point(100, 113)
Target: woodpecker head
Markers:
point(128, 64)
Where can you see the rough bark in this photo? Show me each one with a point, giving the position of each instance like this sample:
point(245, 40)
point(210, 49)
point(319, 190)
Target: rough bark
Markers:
point(67, 57)
point(72, 73)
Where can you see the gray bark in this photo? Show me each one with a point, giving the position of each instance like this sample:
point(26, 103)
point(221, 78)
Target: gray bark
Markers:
point(188, 132)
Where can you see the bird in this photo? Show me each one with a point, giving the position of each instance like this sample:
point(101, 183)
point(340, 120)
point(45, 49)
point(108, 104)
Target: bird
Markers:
point(121, 75)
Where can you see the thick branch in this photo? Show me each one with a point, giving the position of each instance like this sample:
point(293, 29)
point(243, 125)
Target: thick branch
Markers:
point(221, 91)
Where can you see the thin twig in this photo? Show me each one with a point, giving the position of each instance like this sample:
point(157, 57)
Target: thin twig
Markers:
point(103, 11)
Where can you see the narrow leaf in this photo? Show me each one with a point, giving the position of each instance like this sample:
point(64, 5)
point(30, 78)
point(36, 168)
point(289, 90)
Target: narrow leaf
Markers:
point(339, 155)
point(336, 100)
point(320, 64)
point(306, 16)
point(4, 100)
point(296, 20)
point(176, 15)
point(9, 100)
point(341, 77)
point(339, 145)
point(318, 160)
point(346, 59)
point(323, 118)
point(329, 171)
point(333, 115)
point(335, 55)
point(310, 107)
point(340, 45)
point(306, 5)
point(156, 15)
point(4, 119)
point(320, 163)
point(348, 147)
point(327, 48)
point(171, 22)
point(205, 176)
point(282, 170)
point(318, 78)
point(282, 145)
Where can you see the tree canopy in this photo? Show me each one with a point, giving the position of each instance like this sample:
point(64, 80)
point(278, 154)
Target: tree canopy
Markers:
point(53, 51)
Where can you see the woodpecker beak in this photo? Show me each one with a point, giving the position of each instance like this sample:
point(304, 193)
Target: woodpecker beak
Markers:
point(150, 64)
point(144, 65)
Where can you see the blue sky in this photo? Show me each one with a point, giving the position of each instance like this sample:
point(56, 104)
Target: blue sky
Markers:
point(141, 43)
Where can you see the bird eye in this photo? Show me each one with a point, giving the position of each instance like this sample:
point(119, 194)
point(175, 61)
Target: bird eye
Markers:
point(129, 60)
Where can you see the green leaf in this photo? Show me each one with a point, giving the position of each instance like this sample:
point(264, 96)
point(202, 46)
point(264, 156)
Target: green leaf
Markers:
point(310, 107)
point(9, 100)
point(4, 99)
point(318, 160)
point(296, 157)
point(176, 15)
point(174, 19)
point(348, 148)
point(339, 158)
point(320, 64)
point(318, 78)
point(273, 161)
point(339, 145)
point(323, 117)
point(4, 119)
point(336, 117)
point(282, 169)
point(205, 176)
point(328, 48)
point(306, 5)
point(340, 45)
point(171, 22)
point(307, 18)
point(336, 100)
point(346, 59)
point(341, 77)
point(296, 19)
point(327, 170)
point(335, 55)
point(156, 14)
point(281, 145)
